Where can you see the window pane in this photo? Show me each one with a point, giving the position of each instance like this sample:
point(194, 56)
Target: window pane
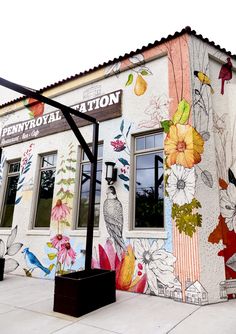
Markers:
point(149, 142)
point(14, 167)
point(84, 194)
point(159, 140)
point(140, 144)
point(45, 196)
point(9, 203)
point(49, 160)
point(100, 152)
point(149, 190)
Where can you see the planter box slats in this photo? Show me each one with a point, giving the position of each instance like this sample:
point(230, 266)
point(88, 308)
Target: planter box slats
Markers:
point(84, 291)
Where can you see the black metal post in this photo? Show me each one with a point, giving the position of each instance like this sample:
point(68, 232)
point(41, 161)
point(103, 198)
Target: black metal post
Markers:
point(92, 195)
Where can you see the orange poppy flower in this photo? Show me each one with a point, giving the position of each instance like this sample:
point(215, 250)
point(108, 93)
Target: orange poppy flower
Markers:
point(183, 146)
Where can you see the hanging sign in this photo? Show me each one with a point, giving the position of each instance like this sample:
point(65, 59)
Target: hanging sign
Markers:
point(102, 108)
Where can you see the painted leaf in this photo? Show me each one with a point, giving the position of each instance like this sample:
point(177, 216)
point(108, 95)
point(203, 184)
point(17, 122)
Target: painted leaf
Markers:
point(2, 248)
point(10, 265)
point(126, 270)
point(139, 284)
point(127, 133)
point(19, 187)
point(14, 248)
point(144, 72)
point(122, 126)
point(124, 162)
point(205, 135)
point(181, 116)
point(51, 267)
point(166, 125)
point(217, 234)
point(118, 137)
point(52, 256)
point(50, 245)
point(207, 178)
point(12, 237)
point(139, 58)
point(123, 177)
point(130, 79)
point(104, 260)
point(21, 180)
point(26, 170)
point(223, 184)
point(231, 177)
point(18, 200)
point(126, 186)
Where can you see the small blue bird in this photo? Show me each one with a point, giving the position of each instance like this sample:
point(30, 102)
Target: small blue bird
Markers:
point(33, 261)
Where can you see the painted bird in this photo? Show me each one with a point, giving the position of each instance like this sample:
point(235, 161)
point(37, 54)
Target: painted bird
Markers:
point(113, 215)
point(225, 73)
point(33, 262)
point(204, 79)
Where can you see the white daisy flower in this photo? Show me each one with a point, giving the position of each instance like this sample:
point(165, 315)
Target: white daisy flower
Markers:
point(181, 184)
point(158, 263)
point(228, 206)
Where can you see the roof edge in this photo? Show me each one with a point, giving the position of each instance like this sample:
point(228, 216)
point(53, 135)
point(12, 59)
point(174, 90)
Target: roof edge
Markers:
point(185, 30)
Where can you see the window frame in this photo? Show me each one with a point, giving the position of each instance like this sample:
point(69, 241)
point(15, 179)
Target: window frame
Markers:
point(77, 197)
point(139, 230)
point(35, 196)
point(4, 188)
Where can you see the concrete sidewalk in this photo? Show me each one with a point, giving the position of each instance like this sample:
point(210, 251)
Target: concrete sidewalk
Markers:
point(26, 307)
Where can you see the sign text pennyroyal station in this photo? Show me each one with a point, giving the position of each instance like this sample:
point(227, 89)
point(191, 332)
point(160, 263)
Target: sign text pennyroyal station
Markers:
point(102, 108)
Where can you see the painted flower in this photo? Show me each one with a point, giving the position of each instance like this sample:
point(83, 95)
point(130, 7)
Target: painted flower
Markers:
point(228, 206)
point(118, 145)
point(181, 184)
point(183, 146)
point(60, 211)
point(58, 240)
point(66, 254)
point(158, 263)
point(126, 278)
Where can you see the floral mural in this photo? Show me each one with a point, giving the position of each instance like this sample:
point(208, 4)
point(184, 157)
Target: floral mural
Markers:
point(25, 167)
point(10, 249)
point(121, 144)
point(36, 108)
point(59, 249)
point(183, 148)
point(2, 163)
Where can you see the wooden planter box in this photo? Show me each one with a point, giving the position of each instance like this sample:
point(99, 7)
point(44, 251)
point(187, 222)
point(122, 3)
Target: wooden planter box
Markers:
point(84, 291)
point(2, 264)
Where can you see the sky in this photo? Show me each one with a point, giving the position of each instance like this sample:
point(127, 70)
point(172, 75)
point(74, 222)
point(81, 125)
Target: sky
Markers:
point(43, 42)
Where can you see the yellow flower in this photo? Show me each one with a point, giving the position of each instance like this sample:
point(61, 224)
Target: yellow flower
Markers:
point(183, 146)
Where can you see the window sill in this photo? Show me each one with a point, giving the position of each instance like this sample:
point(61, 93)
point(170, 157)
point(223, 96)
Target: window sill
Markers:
point(157, 234)
point(83, 233)
point(38, 232)
point(4, 231)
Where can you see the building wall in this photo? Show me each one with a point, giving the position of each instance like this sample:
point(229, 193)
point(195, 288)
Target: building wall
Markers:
point(159, 90)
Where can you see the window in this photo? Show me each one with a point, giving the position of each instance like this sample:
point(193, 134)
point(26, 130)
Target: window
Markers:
point(148, 181)
point(10, 194)
point(85, 169)
point(45, 190)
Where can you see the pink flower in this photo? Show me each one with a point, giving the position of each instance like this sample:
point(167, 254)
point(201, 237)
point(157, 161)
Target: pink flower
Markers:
point(58, 240)
point(66, 254)
point(118, 145)
point(60, 211)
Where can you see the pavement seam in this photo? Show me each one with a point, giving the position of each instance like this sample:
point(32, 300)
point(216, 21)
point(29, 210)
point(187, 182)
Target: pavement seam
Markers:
point(169, 331)
point(104, 329)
